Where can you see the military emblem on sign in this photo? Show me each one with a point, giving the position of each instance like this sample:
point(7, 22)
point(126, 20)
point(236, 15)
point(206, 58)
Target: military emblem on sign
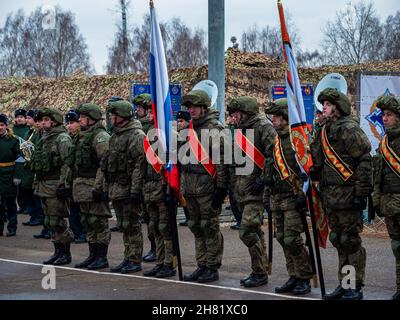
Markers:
point(375, 119)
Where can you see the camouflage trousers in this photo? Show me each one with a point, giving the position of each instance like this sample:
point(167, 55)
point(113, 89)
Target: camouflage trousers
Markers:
point(159, 227)
point(346, 226)
point(289, 227)
point(56, 213)
point(145, 215)
point(252, 236)
point(204, 224)
point(393, 226)
point(131, 229)
point(94, 218)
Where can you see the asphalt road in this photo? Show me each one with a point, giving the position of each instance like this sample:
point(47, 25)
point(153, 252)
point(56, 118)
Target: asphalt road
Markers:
point(21, 272)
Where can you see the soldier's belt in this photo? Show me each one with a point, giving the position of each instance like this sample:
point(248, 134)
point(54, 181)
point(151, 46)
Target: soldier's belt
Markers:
point(6, 164)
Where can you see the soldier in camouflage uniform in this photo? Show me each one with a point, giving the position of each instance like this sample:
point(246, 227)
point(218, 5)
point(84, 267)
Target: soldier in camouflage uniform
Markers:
point(143, 103)
point(386, 194)
point(124, 166)
point(89, 147)
point(249, 188)
point(343, 170)
point(48, 164)
point(288, 203)
point(204, 191)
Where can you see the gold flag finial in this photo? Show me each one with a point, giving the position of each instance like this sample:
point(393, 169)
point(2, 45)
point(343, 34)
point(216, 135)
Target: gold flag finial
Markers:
point(151, 4)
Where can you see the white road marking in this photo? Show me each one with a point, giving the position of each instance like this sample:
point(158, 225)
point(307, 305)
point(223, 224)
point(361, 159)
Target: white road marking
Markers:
point(162, 280)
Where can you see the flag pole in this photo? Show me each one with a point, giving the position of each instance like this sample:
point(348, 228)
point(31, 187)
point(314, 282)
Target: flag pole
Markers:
point(270, 240)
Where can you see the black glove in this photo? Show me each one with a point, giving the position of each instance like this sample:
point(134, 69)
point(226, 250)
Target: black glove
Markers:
point(378, 211)
point(170, 200)
point(301, 203)
point(97, 196)
point(219, 197)
point(257, 187)
point(136, 199)
point(267, 206)
point(63, 193)
point(359, 203)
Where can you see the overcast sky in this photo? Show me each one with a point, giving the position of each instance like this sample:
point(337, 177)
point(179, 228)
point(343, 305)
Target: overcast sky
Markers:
point(97, 18)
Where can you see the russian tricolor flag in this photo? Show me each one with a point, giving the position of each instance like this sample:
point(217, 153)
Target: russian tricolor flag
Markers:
point(162, 109)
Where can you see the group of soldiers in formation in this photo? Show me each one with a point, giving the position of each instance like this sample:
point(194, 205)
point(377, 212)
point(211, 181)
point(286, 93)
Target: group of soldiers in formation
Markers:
point(92, 168)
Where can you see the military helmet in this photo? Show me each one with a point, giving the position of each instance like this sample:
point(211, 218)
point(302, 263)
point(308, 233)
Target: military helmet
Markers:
point(278, 107)
point(52, 113)
point(121, 108)
point(90, 110)
point(143, 100)
point(197, 98)
point(4, 119)
point(389, 103)
point(339, 99)
point(244, 104)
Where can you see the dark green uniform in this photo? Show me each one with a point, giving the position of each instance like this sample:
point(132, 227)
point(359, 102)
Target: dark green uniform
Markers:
point(21, 131)
point(386, 195)
point(344, 201)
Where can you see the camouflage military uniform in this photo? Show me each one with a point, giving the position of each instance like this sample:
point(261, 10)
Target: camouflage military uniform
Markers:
point(89, 146)
point(204, 195)
point(284, 196)
point(386, 195)
point(144, 100)
point(50, 173)
point(342, 200)
point(250, 201)
point(124, 167)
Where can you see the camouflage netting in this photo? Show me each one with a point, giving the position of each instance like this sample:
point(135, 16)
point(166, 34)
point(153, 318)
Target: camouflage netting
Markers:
point(246, 74)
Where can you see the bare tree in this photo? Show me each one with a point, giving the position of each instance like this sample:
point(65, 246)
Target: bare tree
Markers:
point(355, 36)
point(55, 52)
point(311, 59)
point(392, 37)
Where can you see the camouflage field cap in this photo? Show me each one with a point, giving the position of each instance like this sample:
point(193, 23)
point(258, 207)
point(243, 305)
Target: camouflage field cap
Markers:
point(278, 107)
point(244, 104)
point(52, 113)
point(389, 103)
point(121, 108)
point(143, 100)
point(339, 99)
point(90, 110)
point(196, 98)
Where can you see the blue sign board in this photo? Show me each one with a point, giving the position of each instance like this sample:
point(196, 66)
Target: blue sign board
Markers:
point(279, 91)
point(175, 91)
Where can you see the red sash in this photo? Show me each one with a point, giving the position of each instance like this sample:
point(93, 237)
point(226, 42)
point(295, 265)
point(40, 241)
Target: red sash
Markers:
point(151, 156)
point(249, 149)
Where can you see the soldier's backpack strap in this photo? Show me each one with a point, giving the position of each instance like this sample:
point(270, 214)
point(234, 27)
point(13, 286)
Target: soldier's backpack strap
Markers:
point(333, 159)
point(390, 156)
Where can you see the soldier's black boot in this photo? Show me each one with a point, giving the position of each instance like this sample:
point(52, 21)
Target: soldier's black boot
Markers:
point(65, 257)
point(154, 271)
point(56, 254)
point(166, 272)
point(302, 287)
point(194, 276)
point(90, 259)
point(131, 267)
point(336, 294)
point(150, 256)
point(256, 280)
point(119, 267)
point(353, 294)
point(209, 275)
point(396, 296)
point(242, 281)
point(101, 261)
point(288, 286)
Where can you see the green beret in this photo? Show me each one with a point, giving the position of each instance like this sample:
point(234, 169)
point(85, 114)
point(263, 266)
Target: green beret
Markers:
point(121, 108)
point(196, 98)
point(52, 113)
point(339, 99)
point(143, 100)
point(245, 104)
point(388, 103)
point(90, 110)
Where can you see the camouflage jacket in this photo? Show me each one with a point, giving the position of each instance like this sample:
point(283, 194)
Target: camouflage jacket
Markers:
point(84, 161)
point(386, 192)
point(264, 135)
point(146, 124)
point(48, 161)
point(353, 147)
point(124, 163)
point(153, 184)
point(195, 180)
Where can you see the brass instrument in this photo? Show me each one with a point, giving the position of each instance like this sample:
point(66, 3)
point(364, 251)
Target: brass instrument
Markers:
point(27, 147)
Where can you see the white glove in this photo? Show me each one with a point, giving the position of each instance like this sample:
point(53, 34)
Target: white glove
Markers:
point(17, 182)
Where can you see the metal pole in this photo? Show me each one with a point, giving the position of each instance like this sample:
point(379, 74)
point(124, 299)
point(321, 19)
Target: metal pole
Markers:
point(216, 51)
